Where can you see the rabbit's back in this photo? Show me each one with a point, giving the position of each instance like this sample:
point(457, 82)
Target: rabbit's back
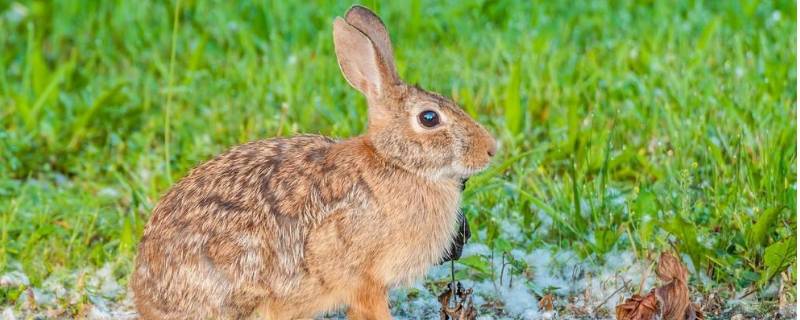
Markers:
point(232, 232)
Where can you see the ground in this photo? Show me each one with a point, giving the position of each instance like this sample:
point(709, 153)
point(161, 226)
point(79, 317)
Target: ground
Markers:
point(581, 290)
point(626, 128)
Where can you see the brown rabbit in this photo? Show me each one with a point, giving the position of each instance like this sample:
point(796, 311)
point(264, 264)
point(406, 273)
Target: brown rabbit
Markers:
point(290, 227)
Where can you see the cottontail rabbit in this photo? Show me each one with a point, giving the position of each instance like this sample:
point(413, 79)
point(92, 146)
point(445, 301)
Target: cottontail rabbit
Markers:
point(287, 228)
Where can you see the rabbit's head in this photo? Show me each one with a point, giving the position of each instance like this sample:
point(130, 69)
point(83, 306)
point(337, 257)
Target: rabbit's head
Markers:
point(418, 130)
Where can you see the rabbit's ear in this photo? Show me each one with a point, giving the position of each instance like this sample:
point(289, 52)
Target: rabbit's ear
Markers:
point(363, 67)
point(371, 25)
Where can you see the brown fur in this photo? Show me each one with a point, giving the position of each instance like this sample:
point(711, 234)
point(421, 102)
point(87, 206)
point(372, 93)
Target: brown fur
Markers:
point(290, 227)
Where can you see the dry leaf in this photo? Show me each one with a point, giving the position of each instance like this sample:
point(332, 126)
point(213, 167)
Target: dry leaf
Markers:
point(463, 309)
point(673, 296)
point(670, 301)
point(671, 268)
point(638, 308)
point(444, 302)
point(546, 303)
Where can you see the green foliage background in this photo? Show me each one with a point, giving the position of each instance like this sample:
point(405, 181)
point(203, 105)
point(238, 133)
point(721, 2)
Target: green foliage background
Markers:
point(631, 125)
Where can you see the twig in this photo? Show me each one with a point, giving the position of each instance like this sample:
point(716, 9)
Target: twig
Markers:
point(644, 278)
point(624, 285)
point(494, 278)
point(502, 268)
point(453, 278)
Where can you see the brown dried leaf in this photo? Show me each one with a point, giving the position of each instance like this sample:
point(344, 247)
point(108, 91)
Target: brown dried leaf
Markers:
point(468, 311)
point(674, 296)
point(671, 300)
point(674, 299)
point(638, 308)
point(444, 301)
point(463, 309)
point(671, 268)
point(546, 303)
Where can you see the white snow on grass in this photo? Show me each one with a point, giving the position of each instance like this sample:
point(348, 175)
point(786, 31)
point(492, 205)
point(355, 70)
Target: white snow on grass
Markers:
point(14, 279)
point(98, 294)
point(519, 301)
point(472, 249)
point(592, 285)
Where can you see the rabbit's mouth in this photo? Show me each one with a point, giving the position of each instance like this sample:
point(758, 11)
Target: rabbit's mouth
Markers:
point(465, 171)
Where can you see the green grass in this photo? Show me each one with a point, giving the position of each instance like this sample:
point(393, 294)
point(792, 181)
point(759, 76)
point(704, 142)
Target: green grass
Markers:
point(632, 125)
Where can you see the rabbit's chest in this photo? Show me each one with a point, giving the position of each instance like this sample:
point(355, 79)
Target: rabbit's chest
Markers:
point(420, 231)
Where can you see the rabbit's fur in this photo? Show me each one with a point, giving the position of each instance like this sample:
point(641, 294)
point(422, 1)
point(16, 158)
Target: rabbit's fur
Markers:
point(287, 228)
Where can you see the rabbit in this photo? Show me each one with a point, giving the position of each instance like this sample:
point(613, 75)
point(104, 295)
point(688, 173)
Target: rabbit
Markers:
point(287, 228)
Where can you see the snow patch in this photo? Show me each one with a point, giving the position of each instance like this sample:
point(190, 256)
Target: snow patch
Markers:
point(14, 279)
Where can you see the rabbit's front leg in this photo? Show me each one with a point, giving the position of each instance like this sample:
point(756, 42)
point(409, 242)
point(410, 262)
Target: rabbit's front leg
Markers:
point(370, 302)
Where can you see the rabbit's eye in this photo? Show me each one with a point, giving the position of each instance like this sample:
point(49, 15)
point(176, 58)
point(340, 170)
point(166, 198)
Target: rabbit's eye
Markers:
point(429, 118)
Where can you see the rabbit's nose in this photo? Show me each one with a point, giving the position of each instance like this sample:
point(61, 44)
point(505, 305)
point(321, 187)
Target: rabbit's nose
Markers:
point(492, 149)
